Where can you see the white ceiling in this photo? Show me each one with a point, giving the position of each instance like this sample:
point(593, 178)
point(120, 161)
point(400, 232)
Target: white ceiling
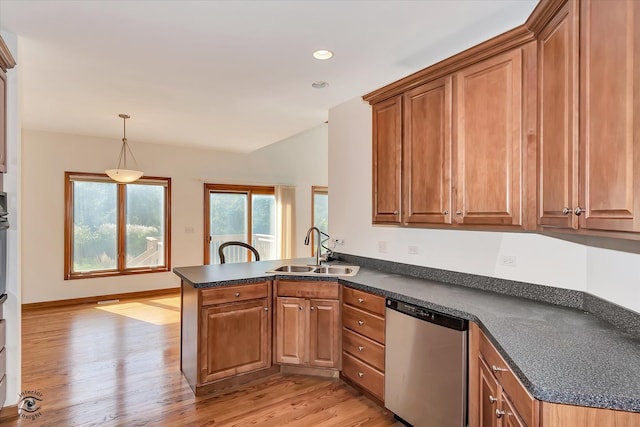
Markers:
point(230, 75)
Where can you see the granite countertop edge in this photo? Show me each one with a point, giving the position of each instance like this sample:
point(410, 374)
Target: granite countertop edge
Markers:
point(545, 394)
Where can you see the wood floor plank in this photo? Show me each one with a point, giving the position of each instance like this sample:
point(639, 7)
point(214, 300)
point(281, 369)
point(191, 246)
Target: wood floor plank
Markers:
point(119, 365)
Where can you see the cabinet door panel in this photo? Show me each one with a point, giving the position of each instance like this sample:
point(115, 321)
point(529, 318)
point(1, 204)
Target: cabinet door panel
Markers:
point(290, 330)
point(558, 117)
point(387, 153)
point(610, 100)
point(489, 393)
point(234, 339)
point(510, 417)
point(324, 333)
point(427, 153)
point(488, 144)
point(3, 121)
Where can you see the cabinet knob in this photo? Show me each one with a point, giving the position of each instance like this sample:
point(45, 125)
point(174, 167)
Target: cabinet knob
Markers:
point(395, 212)
point(495, 368)
point(458, 212)
point(578, 211)
point(237, 294)
point(266, 309)
point(493, 399)
point(312, 308)
point(360, 322)
point(360, 348)
point(360, 300)
point(499, 413)
point(566, 211)
point(445, 213)
point(300, 307)
point(361, 374)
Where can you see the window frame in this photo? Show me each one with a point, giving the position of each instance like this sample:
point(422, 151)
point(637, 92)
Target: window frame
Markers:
point(121, 269)
point(249, 190)
point(315, 189)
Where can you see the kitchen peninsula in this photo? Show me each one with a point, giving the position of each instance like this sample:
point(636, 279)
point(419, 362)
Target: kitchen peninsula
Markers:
point(571, 362)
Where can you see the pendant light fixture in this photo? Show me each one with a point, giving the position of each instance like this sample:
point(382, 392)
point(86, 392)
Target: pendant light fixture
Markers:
point(123, 174)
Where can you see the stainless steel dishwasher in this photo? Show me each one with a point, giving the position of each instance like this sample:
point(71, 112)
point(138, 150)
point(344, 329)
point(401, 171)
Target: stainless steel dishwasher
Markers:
point(425, 366)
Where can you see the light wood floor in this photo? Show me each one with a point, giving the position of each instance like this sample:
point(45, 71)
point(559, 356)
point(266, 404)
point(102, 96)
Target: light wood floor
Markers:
point(119, 365)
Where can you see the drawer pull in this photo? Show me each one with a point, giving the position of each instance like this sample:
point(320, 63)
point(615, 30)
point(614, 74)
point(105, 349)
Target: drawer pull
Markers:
point(237, 294)
point(361, 374)
point(493, 399)
point(360, 348)
point(360, 322)
point(495, 368)
point(499, 413)
point(360, 300)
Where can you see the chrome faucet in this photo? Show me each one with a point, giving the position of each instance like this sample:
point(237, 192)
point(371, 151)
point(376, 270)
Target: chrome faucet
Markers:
point(319, 248)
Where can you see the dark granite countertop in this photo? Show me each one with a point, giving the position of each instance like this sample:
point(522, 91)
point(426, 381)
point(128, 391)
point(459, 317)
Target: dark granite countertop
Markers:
point(561, 354)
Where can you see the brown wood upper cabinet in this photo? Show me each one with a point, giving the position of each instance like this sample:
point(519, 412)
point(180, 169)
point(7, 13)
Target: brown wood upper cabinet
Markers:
point(461, 139)
point(589, 90)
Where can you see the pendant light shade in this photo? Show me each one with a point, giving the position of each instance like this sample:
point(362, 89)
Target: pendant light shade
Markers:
point(123, 174)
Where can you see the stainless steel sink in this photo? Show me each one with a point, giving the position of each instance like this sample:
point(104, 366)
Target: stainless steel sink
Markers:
point(294, 269)
point(312, 270)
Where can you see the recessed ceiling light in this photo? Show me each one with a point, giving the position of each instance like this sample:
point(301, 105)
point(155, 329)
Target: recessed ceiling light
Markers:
point(319, 84)
point(322, 54)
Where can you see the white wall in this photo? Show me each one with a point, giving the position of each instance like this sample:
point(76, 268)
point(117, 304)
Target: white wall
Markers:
point(11, 185)
point(300, 160)
point(612, 275)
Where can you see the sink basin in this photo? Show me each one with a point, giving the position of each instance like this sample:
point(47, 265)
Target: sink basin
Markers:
point(313, 270)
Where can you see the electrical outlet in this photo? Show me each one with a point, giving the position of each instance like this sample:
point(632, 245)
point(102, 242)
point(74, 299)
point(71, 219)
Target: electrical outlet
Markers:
point(189, 230)
point(338, 241)
point(508, 260)
point(382, 247)
point(413, 250)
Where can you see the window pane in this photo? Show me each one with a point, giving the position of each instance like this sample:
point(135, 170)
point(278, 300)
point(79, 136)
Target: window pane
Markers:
point(95, 237)
point(145, 226)
point(228, 222)
point(320, 214)
point(263, 225)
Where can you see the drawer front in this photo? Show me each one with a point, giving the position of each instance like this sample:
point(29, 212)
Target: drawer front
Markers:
point(3, 333)
point(364, 300)
point(520, 398)
point(3, 390)
point(363, 348)
point(308, 289)
point(235, 293)
point(367, 324)
point(363, 375)
point(3, 361)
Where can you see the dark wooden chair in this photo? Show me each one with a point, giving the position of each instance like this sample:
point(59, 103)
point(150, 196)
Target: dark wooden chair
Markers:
point(244, 245)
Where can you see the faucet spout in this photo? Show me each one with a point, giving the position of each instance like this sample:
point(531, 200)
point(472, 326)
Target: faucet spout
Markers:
point(319, 247)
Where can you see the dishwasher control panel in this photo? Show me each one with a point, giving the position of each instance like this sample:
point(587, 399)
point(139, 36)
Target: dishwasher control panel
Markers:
point(428, 315)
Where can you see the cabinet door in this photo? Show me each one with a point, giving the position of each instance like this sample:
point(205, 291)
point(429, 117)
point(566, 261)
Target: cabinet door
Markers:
point(290, 330)
point(3, 121)
point(558, 120)
point(489, 392)
point(427, 153)
point(610, 105)
point(387, 158)
point(234, 339)
point(510, 418)
point(488, 144)
point(324, 333)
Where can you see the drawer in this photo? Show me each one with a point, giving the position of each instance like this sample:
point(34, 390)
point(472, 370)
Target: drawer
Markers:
point(3, 361)
point(367, 324)
point(364, 300)
point(235, 293)
point(363, 375)
point(363, 348)
point(3, 391)
point(308, 289)
point(3, 333)
point(523, 402)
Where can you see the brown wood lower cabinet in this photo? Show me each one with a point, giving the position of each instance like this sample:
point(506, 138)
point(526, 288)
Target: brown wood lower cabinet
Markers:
point(225, 335)
point(363, 340)
point(307, 328)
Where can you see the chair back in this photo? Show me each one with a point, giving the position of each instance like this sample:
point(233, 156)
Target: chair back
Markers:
point(244, 245)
